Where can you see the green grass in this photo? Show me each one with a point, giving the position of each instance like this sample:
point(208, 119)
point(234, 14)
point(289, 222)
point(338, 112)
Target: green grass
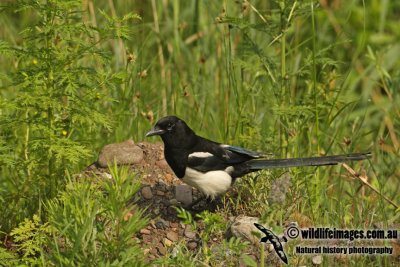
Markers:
point(295, 78)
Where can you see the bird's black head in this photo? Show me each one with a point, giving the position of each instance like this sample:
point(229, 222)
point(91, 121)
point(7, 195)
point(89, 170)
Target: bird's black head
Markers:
point(173, 131)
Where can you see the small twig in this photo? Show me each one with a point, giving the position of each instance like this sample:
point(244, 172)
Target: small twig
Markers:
point(364, 180)
point(258, 13)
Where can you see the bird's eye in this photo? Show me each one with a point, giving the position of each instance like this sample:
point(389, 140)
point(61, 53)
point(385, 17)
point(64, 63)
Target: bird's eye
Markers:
point(170, 126)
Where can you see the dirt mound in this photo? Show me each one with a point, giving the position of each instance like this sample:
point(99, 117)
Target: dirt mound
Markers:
point(160, 193)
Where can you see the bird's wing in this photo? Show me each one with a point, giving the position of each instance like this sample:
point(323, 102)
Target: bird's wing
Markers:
point(206, 161)
point(244, 152)
point(211, 156)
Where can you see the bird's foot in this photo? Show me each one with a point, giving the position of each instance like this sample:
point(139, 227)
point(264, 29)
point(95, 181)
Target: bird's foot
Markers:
point(202, 204)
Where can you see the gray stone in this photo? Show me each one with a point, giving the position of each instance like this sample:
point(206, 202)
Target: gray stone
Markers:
point(156, 210)
point(192, 245)
point(162, 224)
point(146, 193)
point(183, 194)
point(243, 227)
point(125, 153)
point(173, 202)
point(188, 232)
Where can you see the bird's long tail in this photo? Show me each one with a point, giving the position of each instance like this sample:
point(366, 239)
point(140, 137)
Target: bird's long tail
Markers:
point(258, 164)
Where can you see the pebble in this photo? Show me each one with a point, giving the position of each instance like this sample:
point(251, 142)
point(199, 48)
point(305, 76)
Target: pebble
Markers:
point(189, 233)
point(174, 225)
point(167, 242)
point(147, 238)
point(156, 211)
point(162, 164)
point(146, 192)
point(192, 245)
point(173, 202)
point(161, 249)
point(175, 252)
point(168, 178)
point(161, 186)
point(160, 193)
point(162, 224)
point(145, 231)
point(153, 251)
point(173, 236)
point(317, 260)
point(164, 202)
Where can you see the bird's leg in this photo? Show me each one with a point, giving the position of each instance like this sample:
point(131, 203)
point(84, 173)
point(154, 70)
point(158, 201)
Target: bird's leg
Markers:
point(192, 205)
point(211, 204)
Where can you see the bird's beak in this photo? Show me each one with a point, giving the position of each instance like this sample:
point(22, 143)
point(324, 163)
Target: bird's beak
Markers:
point(155, 131)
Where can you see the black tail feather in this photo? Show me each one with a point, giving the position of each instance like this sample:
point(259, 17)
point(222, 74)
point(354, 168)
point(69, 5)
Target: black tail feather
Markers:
point(259, 164)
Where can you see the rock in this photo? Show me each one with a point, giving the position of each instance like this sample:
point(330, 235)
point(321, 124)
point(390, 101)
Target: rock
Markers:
point(161, 249)
point(147, 238)
point(153, 251)
point(161, 186)
point(175, 252)
point(146, 193)
point(156, 211)
point(188, 232)
point(174, 225)
point(173, 202)
point(173, 236)
point(183, 194)
point(162, 224)
point(243, 227)
point(192, 245)
point(145, 231)
point(125, 153)
point(168, 178)
point(160, 193)
point(162, 164)
point(317, 259)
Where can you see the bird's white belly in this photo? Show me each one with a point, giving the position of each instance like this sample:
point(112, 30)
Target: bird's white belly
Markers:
point(211, 184)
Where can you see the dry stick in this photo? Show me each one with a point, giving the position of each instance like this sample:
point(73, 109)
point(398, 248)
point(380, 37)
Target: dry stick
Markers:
point(364, 180)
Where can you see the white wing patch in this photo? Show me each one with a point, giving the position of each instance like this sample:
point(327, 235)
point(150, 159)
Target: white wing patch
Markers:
point(201, 155)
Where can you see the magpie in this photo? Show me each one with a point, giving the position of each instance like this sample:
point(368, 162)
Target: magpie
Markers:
point(212, 167)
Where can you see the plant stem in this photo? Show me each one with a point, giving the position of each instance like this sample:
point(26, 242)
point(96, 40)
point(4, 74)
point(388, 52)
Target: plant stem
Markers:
point(314, 76)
